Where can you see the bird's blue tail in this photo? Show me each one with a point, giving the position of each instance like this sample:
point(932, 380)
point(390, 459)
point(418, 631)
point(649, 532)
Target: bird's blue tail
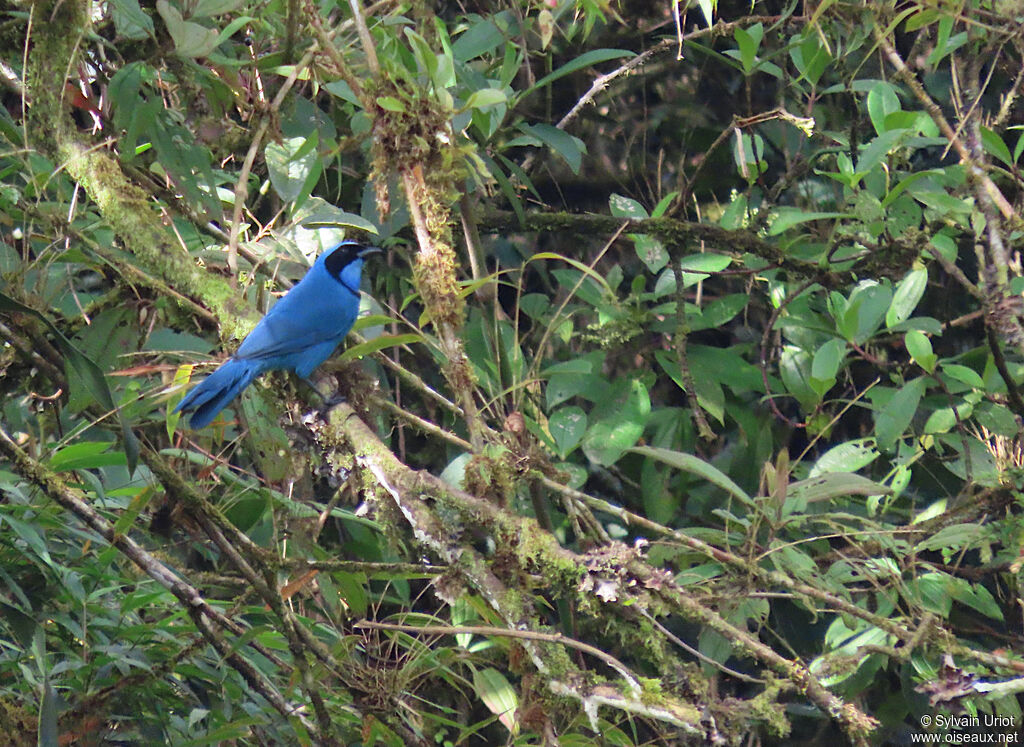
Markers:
point(217, 390)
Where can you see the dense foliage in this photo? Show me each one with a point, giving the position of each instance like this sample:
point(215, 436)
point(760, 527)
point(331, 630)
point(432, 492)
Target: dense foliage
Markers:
point(686, 407)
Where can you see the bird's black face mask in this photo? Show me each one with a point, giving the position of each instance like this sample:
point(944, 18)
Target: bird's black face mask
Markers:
point(344, 255)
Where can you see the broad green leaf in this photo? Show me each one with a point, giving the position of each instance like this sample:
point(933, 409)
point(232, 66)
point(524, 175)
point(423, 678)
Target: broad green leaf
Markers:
point(865, 310)
point(706, 380)
point(824, 487)
point(795, 370)
point(997, 418)
point(921, 19)
point(567, 426)
point(882, 101)
point(979, 598)
point(48, 734)
point(955, 537)
point(649, 249)
point(625, 207)
point(748, 43)
point(908, 293)
point(995, 146)
point(718, 312)
point(707, 9)
point(343, 91)
point(785, 218)
point(426, 60)
point(876, 151)
point(391, 104)
point(214, 7)
point(379, 343)
point(485, 97)
point(565, 145)
point(941, 421)
point(85, 455)
point(933, 592)
point(91, 375)
point(826, 364)
point(130, 20)
point(846, 457)
point(498, 695)
point(942, 202)
point(617, 423)
point(920, 349)
point(964, 375)
point(895, 417)
point(481, 38)
point(290, 163)
point(696, 466)
point(597, 277)
point(190, 39)
point(586, 59)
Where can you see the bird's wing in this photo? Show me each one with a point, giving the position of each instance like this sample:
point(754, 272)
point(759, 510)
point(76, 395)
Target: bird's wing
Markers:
point(292, 327)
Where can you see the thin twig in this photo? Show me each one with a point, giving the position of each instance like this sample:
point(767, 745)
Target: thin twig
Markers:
point(530, 635)
point(242, 183)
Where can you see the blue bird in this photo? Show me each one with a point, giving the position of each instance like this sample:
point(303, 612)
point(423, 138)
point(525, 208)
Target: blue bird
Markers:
point(298, 333)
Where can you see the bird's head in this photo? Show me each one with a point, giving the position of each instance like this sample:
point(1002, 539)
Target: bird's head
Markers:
point(345, 262)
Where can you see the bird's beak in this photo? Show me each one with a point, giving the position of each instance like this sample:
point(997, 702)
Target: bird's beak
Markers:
point(368, 250)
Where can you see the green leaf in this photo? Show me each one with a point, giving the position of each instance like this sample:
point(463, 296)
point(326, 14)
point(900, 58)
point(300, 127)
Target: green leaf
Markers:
point(824, 487)
point(940, 421)
point(48, 734)
point(979, 598)
point(795, 370)
point(707, 9)
point(964, 375)
point(997, 418)
point(567, 146)
point(290, 163)
point(391, 104)
point(190, 39)
point(876, 151)
point(596, 277)
point(826, 364)
point(785, 218)
point(895, 417)
point(379, 343)
point(130, 20)
point(618, 422)
point(710, 396)
point(865, 310)
point(485, 97)
point(343, 91)
point(933, 592)
point(625, 207)
point(498, 695)
point(748, 44)
point(696, 466)
point(920, 349)
point(718, 312)
point(481, 38)
point(214, 7)
point(921, 19)
point(85, 455)
point(846, 457)
point(586, 59)
point(91, 376)
point(995, 146)
point(426, 60)
point(882, 101)
point(905, 299)
point(567, 426)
